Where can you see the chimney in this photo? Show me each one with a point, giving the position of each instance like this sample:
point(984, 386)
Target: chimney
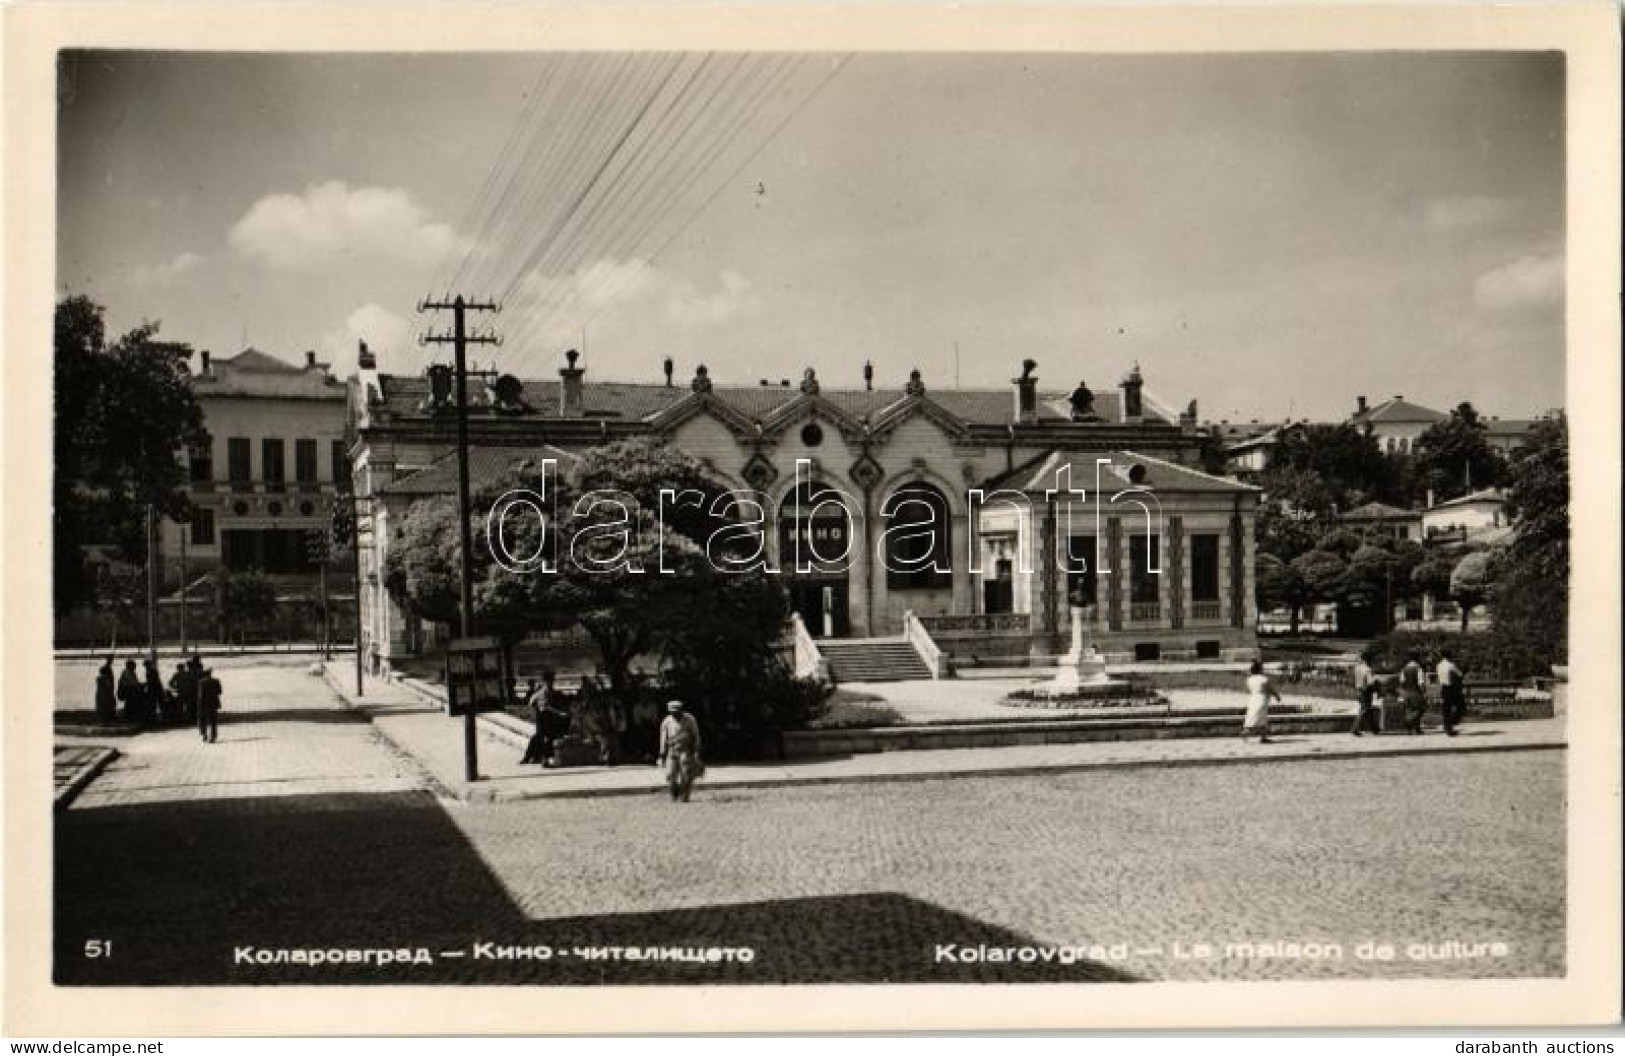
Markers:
point(1132, 409)
point(868, 376)
point(668, 367)
point(310, 359)
point(365, 360)
point(205, 368)
point(570, 386)
point(1430, 499)
point(1027, 392)
point(1359, 405)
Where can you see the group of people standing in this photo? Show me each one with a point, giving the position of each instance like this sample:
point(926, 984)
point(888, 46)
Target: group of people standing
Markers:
point(192, 696)
point(678, 751)
point(1408, 689)
point(1376, 693)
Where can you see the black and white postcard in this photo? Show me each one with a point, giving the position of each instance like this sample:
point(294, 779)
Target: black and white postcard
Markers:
point(517, 514)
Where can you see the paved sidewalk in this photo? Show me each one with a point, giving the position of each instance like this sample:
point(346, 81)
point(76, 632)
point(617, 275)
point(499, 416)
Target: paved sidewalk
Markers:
point(420, 730)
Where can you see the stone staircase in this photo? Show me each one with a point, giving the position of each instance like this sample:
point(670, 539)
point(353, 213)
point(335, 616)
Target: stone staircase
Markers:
point(872, 659)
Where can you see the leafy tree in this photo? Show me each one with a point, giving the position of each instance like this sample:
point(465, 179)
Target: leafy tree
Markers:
point(1282, 533)
point(636, 581)
point(1453, 457)
point(1529, 599)
point(1431, 578)
point(246, 598)
point(1470, 581)
point(1280, 587)
point(1318, 466)
point(123, 413)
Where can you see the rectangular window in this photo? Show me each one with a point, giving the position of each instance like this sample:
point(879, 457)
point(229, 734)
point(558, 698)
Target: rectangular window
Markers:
point(1080, 554)
point(279, 551)
point(238, 469)
point(304, 461)
point(1144, 554)
point(202, 527)
point(1204, 568)
point(271, 467)
point(200, 463)
point(341, 466)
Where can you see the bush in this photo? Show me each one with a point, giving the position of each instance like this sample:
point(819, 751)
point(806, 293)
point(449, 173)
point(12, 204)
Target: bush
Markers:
point(741, 718)
point(1481, 654)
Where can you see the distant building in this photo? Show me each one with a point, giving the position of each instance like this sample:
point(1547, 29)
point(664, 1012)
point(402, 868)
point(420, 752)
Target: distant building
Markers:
point(997, 584)
point(1481, 517)
point(269, 470)
point(1396, 424)
point(1390, 521)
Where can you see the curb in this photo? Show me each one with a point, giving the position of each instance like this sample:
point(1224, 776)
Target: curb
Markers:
point(477, 794)
point(423, 773)
point(485, 793)
point(86, 774)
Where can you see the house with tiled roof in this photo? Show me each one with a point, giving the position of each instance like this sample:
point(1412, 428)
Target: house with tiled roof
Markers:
point(1397, 423)
point(1389, 520)
point(1015, 486)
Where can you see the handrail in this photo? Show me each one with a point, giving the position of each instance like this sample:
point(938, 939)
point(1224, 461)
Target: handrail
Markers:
point(915, 634)
point(809, 659)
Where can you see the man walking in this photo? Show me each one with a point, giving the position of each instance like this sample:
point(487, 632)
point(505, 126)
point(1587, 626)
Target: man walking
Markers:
point(1410, 684)
point(208, 707)
point(106, 695)
point(679, 750)
point(1452, 692)
point(551, 722)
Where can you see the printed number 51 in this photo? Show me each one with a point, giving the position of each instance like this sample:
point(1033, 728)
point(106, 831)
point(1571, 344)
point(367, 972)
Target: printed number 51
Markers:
point(95, 948)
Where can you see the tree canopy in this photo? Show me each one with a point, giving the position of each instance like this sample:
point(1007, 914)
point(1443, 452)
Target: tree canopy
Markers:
point(1529, 599)
point(125, 412)
point(640, 571)
point(1453, 457)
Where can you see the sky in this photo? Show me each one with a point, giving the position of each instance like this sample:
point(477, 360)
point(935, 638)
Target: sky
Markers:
point(1269, 234)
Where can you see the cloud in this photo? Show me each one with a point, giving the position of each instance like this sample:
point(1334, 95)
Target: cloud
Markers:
point(687, 307)
point(1530, 283)
point(592, 287)
point(167, 272)
point(387, 334)
point(1467, 212)
point(331, 224)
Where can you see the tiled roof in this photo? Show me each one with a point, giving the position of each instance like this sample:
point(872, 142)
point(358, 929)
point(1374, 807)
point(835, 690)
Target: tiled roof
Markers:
point(253, 373)
point(1378, 511)
point(1486, 495)
point(1400, 410)
point(404, 395)
point(1040, 474)
point(1508, 426)
point(485, 465)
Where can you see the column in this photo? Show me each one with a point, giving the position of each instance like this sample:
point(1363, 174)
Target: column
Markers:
point(1047, 573)
point(1175, 573)
point(1118, 570)
point(1238, 570)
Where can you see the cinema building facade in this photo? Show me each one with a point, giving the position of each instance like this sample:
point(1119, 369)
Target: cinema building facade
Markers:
point(1034, 501)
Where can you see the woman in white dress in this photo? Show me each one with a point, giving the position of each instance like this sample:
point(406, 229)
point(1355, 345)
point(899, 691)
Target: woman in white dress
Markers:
point(1259, 692)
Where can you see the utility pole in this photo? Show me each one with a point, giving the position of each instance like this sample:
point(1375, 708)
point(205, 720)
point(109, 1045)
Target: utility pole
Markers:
point(152, 584)
point(460, 339)
point(185, 530)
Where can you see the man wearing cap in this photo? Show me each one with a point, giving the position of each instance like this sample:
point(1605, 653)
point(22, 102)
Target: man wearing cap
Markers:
point(679, 750)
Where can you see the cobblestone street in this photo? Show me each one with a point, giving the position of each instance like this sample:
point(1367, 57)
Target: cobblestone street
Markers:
point(301, 829)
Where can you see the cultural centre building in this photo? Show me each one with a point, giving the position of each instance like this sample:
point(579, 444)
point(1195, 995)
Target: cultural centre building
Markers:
point(1036, 500)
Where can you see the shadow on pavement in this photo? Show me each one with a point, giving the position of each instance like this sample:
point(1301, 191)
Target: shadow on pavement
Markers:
point(335, 715)
point(174, 890)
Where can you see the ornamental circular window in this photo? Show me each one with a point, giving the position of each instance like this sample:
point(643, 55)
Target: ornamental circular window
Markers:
point(274, 509)
point(307, 508)
point(240, 508)
point(812, 434)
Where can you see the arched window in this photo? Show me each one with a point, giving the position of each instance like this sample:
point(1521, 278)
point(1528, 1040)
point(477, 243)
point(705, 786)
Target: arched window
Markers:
point(917, 542)
point(815, 525)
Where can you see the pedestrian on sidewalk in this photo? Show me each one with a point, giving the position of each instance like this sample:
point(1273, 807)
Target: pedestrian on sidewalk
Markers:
point(1365, 686)
point(106, 695)
point(551, 721)
point(679, 750)
point(155, 692)
point(130, 692)
point(1411, 681)
point(1452, 692)
point(1260, 690)
point(194, 668)
point(208, 707)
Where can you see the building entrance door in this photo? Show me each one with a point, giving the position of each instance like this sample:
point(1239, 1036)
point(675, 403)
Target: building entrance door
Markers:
point(821, 604)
